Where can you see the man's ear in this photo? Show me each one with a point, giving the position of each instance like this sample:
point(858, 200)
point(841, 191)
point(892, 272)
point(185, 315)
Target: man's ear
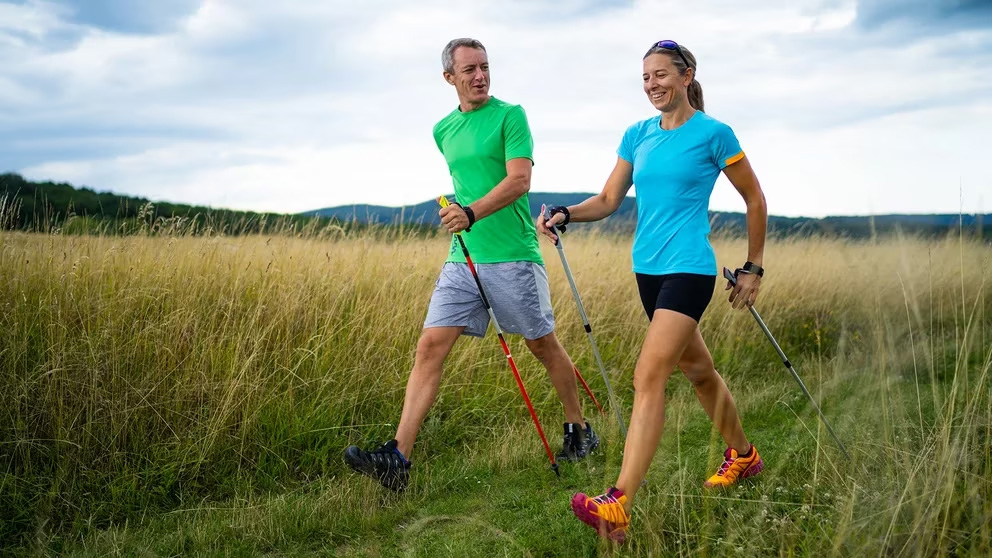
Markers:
point(448, 78)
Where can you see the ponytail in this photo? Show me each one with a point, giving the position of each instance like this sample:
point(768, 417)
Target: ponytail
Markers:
point(695, 94)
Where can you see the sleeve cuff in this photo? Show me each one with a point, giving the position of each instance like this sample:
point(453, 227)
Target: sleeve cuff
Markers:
point(731, 160)
point(510, 157)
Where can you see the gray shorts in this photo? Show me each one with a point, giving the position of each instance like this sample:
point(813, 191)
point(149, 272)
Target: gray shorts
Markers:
point(517, 291)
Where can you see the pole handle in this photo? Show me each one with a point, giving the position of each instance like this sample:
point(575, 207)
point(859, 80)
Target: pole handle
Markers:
point(546, 212)
point(443, 202)
point(730, 276)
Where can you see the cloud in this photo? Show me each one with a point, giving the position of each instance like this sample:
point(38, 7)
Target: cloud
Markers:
point(549, 10)
point(294, 105)
point(932, 15)
point(127, 16)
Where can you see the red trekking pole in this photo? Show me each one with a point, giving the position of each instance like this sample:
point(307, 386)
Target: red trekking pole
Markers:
point(443, 201)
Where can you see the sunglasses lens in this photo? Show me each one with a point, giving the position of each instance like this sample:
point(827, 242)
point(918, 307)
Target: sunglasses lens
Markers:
point(666, 44)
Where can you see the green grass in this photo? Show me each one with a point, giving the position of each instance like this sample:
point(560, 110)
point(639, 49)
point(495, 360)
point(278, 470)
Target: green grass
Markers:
point(192, 396)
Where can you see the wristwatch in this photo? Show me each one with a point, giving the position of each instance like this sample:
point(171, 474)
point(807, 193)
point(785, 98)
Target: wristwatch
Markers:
point(470, 213)
point(756, 269)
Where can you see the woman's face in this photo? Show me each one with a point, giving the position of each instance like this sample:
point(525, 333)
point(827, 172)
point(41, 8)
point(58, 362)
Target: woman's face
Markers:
point(664, 86)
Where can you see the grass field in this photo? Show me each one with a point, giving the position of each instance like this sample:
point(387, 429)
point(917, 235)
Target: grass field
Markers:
point(177, 395)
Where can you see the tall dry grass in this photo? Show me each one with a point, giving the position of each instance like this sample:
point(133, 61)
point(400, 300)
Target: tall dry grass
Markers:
point(139, 374)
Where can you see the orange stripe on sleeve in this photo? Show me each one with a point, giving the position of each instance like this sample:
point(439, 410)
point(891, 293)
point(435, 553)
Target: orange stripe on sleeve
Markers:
point(734, 159)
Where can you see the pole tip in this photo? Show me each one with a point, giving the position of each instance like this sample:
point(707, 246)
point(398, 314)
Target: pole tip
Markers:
point(554, 467)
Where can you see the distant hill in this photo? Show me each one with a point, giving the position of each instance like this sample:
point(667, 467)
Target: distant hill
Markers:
point(626, 217)
point(46, 206)
point(426, 212)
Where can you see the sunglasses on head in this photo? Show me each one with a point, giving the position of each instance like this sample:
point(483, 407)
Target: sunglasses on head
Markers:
point(672, 45)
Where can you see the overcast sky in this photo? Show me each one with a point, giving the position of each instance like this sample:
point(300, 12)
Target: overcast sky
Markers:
point(842, 106)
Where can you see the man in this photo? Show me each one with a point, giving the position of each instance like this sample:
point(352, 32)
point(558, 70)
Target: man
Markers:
point(489, 150)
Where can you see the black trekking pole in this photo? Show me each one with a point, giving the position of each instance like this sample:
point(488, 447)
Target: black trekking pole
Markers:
point(585, 322)
point(785, 360)
point(443, 201)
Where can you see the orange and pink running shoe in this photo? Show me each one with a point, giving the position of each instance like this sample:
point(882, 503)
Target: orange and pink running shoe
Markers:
point(605, 514)
point(736, 467)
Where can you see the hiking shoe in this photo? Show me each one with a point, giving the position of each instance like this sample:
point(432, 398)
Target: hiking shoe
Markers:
point(386, 465)
point(603, 513)
point(577, 443)
point(736, 467)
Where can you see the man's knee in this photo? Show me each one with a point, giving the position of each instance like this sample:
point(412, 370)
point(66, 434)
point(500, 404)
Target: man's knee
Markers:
point(434, 344)
point(546, 348)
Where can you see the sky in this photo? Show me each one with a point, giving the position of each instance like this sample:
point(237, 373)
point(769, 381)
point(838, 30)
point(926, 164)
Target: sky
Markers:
point(850, 107)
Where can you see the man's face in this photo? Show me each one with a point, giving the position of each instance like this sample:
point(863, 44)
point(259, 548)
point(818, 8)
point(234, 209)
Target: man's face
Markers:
point(471, 75)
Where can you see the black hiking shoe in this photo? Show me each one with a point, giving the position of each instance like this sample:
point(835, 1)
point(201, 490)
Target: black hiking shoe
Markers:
point(578, 442)
point(385, 465)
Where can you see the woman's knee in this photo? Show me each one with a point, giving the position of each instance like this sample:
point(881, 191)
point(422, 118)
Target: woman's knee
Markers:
point(651, 379)
point(699, 372)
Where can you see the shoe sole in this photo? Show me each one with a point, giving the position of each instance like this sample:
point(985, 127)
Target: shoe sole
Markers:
point(585, 516)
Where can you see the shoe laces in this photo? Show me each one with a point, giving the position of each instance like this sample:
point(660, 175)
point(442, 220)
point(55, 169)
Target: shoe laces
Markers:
point(572, 439)
point(610, 508)
point(386, 455)
point(607, 498)
point(728, 461)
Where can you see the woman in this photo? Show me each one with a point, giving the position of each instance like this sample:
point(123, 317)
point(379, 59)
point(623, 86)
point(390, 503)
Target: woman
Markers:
point(674, 159)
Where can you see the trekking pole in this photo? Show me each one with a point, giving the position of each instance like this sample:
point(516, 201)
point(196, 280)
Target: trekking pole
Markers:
point(585, 323)
point(443, 201)
point(785, 360)
point(589, 391)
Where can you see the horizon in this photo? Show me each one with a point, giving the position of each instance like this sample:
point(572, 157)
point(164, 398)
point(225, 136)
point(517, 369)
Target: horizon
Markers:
point(451, 194)
point(630, 196)
point(430, 200)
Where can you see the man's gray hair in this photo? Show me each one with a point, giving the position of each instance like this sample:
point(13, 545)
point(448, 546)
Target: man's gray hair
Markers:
point(448, 54)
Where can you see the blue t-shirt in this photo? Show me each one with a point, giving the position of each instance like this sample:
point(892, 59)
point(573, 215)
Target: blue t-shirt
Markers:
point(674, 174)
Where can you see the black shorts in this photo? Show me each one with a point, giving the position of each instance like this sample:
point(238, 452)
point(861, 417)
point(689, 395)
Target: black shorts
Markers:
point(685, 293)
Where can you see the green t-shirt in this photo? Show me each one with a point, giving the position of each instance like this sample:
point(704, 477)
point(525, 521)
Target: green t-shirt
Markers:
point(476, 146)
